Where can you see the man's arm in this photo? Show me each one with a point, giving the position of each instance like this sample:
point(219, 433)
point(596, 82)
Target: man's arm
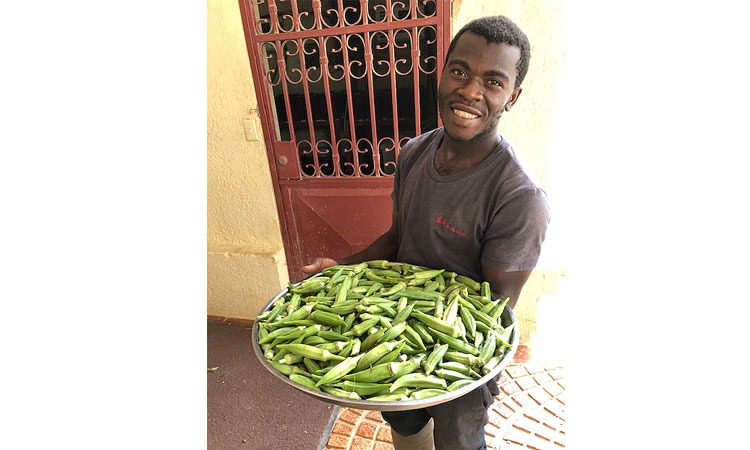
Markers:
point(506, 284)
point(384, 247)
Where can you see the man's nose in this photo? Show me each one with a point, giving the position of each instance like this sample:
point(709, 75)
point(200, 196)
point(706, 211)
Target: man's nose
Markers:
point(472, 90)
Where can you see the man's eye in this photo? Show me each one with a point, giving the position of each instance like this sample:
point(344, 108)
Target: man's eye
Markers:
point(495, 83)
point(458, 72)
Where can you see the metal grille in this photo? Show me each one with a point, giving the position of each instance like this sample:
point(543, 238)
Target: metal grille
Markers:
point(349, 82)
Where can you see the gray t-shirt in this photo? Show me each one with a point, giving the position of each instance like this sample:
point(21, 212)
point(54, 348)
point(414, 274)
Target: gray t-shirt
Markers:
point(490, 215)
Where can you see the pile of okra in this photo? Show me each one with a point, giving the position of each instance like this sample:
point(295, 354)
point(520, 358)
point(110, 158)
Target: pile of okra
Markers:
point(385, 331)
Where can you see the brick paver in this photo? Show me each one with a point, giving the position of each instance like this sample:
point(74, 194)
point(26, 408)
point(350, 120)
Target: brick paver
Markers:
point(529, 413)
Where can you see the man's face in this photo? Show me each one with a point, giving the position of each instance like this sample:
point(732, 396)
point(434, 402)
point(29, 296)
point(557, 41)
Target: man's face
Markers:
point(477, 85)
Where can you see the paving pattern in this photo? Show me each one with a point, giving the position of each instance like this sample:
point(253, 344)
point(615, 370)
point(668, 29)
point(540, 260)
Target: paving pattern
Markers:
point(529, 413)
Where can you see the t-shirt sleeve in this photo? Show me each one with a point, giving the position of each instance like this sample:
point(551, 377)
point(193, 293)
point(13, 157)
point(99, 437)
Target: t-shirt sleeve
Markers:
point(514, 237)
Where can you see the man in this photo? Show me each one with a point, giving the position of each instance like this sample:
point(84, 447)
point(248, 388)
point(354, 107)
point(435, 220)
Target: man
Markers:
point(462, 202)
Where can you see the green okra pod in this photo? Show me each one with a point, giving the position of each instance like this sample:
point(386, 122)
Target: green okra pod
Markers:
point(470, 302)
point(311, 365)
point(456, 344)
point(327, 318)
point(304, 381)
point(388, 273)
point(432, 286)
point(375, 300)
point(270, 316)
point(451, 312)
point(362, 327)
point(458, 384)
point(420, 394)
point(451, 375)
point(470, 324)
point(419, 295)
point(347, 351)
point(403, 314)
point(458, 367)
point(287, 369)
point(294, 303)
point(402, 368)
point(427, 274)
point(393, 332)
point(473, 285)
point(391, 356)
point(373, 338)
point(436, 324)
point(379, 264)
point(465, 358)
point(301, 313)
point(422, 331)
point(333, 347)
point(335, 278)
point(413, 338)
point(478, 339)
point(346, 283)
point(488, 350)
point(309, 351)
point(372, 375)
point(276, 333)
point(434, 358)
point(419, 380)
point(394, 397)
point(373, 288)
point(338, 392)
point(486, 291)
point(309, 287)
point(377, 352)
point(371, 275)
point(491, 364)
point(441, 282)
point(482, 317)
point(332, 336)
point(364, 389)
point(498, 310)
point(314, 340)
point(330, 271)
point(291, 359)
point(339, 370)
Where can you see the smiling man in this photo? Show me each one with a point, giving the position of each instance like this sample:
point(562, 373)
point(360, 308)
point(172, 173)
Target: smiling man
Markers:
point(463, 202)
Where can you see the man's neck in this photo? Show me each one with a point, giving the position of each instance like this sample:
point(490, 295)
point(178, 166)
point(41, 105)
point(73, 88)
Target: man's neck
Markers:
point(456, 156)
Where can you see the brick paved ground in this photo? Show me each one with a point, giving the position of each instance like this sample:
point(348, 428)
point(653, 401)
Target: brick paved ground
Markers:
point(529, 413)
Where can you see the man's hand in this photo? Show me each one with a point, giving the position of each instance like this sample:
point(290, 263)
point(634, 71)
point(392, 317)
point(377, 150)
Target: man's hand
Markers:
point(317, 265)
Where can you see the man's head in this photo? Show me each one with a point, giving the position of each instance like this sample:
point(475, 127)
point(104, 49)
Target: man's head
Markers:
point(499, 30)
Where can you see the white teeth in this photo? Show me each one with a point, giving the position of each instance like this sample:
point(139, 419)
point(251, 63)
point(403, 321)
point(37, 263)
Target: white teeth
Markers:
point(464, 114)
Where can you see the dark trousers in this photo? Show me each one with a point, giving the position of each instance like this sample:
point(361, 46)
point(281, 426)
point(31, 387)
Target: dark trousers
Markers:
point(459, 423)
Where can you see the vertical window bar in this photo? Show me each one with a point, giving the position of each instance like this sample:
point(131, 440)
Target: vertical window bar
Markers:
point(331, 123)
point(373, 116)
point(273, 11)
point(415, 74)
point(394, 89)
point(350, 105)
point(281, 62)
point(310, 120)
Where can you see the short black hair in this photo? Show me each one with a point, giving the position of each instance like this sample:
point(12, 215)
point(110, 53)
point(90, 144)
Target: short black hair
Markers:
point(499, 30)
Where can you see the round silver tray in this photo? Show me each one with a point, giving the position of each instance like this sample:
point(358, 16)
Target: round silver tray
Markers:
point(394, 405)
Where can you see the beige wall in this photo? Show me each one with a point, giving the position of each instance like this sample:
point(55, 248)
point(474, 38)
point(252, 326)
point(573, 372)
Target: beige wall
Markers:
point(246, 263)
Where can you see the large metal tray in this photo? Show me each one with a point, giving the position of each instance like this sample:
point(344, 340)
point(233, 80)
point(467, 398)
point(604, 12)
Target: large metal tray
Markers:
point(507, 318)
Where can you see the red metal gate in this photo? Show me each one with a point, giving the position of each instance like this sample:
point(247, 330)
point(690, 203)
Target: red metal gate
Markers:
point(341, 85)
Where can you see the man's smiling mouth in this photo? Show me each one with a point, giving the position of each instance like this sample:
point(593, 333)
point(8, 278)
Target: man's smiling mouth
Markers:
point(464, 114)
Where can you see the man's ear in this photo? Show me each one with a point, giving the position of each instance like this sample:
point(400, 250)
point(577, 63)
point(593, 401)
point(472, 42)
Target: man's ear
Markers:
point(512, 100)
